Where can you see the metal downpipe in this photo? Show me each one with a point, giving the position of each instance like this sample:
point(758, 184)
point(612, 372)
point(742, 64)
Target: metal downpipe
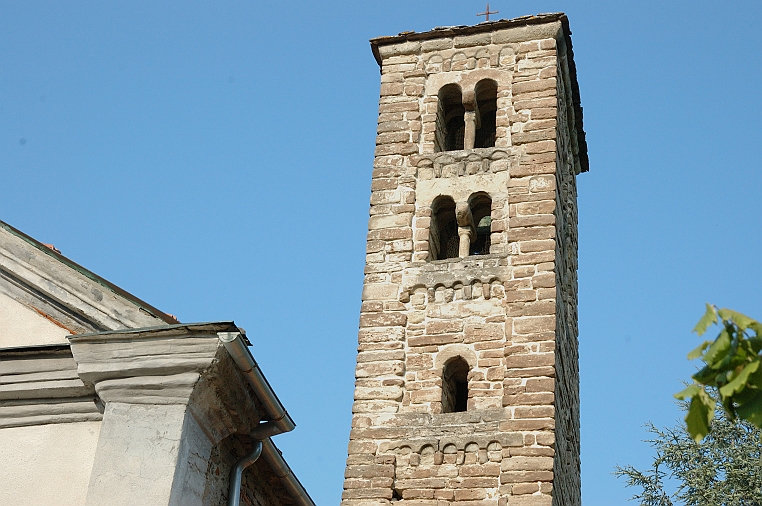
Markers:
point(279, 422)
point(236, 474)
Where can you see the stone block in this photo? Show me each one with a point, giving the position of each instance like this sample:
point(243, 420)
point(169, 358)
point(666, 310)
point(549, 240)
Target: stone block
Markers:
point(409, 105)
point(369, 471)
point(391, 89)
point(532, 308)
point(373, 369)
point(533, 324)
point(525, 488)
point(533, 258)
point(532, 221)
point(530, 167)
point(538, 160)
point(383, 319)
point(530, 500)
point(379, 356)
point(380, 291)
point(466, 494)
point(435, 340)
point(525, 476)
point(479, 39)
point(483, 332)
point(530, 360)
point(376, 335)
point(529, 399)
point(534, 412)
point(548, 146)
point(530, 86)
point(395, 138)
point(488, 469)
point(443, 326)
point(404, 48)
point(527, 464)
point(544, 113)
point(540, 385)
point(544, 280)
point(390, 221)
point(520, 295)
point(367, 493)
point(537, 245)
point(426, 395)
point(390, 234)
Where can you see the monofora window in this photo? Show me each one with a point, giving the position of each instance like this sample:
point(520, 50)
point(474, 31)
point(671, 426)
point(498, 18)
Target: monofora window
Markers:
point(443, 231)
point(481, 211)
point(486, 113)
point(455, 385)
point(450, 128)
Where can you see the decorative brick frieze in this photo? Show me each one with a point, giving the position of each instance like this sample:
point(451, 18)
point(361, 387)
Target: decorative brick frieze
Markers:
point(463, 163)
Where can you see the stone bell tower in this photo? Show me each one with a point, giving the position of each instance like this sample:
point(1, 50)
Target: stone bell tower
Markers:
point(467, 388)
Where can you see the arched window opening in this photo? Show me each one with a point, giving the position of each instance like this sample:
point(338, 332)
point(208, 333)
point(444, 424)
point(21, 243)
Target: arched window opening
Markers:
point(455, 386)
point(486, 99)
point(481, 210)
point(443, 231)
point(450, 123)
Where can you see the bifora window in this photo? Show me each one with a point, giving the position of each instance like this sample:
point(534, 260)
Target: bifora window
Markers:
point(455, 385)
point(450, 124)
point(486, 100)
point(443, 230)
point(481, 210)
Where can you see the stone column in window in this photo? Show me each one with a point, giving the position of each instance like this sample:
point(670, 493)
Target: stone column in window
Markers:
point(466, 229)
point(471, 119)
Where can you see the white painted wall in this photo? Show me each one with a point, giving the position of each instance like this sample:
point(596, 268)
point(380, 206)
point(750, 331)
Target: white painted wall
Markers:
point(47, 464)
point(22, 326)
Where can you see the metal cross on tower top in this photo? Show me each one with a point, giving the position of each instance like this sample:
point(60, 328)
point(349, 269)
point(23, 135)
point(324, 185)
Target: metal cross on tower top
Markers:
point(487, 12)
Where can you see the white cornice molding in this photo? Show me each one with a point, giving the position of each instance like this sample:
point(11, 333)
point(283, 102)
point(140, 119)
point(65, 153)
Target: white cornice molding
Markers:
point(40, 385)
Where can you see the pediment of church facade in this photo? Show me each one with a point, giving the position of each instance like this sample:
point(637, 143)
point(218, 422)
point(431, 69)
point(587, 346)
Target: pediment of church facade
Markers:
point(44, 296)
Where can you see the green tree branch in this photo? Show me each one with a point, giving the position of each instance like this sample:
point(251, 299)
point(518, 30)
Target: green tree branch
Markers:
point(731, 372)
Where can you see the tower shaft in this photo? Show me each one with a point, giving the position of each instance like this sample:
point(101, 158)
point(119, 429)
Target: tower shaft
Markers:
point(467, 382)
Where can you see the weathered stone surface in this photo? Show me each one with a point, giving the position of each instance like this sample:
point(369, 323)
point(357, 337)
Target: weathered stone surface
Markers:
point(506, 314)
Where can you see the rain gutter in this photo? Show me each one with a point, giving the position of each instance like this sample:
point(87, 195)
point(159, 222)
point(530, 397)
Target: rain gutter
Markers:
point(278, 423)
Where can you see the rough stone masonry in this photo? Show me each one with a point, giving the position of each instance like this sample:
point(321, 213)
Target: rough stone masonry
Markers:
point(467, 382)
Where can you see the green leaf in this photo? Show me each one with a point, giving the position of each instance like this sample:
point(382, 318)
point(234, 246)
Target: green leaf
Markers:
point(690, 391)
point(751, 409)
point(718, 349)
point(755, 380)
point(698, 351)
point(756, 343)
point(706, 376)
point(700, 414)
point(738, 383)
point(741, 321)
point(709, 318)
point(733, 357)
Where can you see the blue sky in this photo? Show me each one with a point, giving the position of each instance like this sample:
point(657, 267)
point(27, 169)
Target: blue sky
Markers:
point(214, 159)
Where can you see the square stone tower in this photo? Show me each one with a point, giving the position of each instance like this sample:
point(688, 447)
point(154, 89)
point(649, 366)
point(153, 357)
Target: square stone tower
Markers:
point(467, 382)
